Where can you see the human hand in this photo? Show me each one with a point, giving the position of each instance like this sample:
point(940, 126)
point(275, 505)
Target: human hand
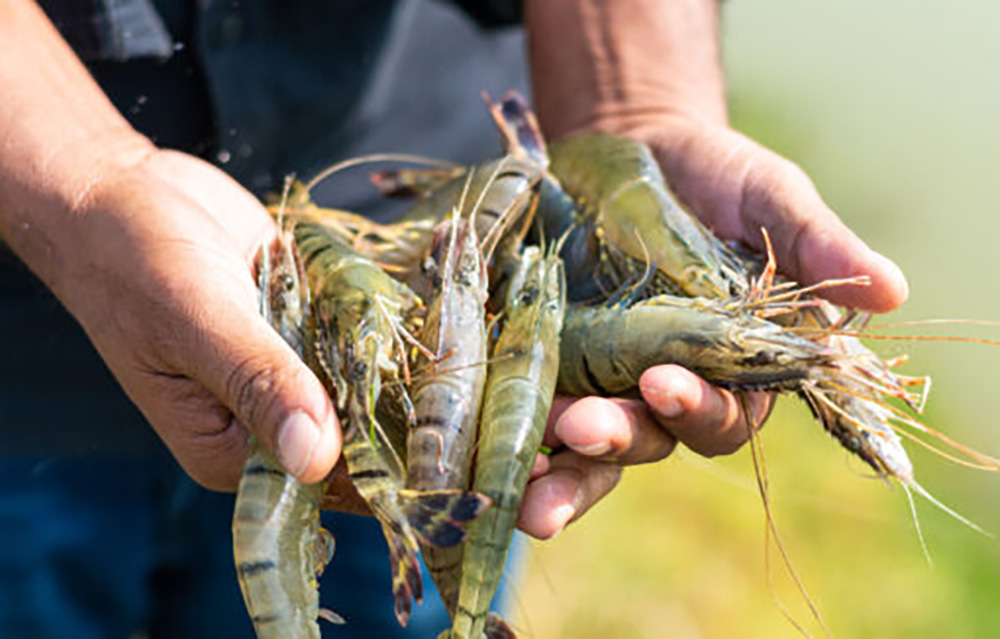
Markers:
point(158, 273)
point(650, 70)
point(736, 186)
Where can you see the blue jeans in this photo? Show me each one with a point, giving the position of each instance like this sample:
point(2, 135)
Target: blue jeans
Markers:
point(102, 548)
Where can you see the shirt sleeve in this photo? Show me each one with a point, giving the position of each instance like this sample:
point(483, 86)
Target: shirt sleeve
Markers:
point(492, 13)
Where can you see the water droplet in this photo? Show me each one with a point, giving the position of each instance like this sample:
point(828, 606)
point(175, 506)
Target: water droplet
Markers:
point(232, 133)
point(142, 99)
point(178, 46)
point(224, 156)
point(245, 151)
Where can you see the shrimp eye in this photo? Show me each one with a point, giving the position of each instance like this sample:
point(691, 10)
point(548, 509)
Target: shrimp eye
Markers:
point(528, 295)
point(360, 368)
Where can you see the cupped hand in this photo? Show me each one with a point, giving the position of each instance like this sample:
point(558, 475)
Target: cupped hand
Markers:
point(736, 187)
point(594, 438)
point(159, 274)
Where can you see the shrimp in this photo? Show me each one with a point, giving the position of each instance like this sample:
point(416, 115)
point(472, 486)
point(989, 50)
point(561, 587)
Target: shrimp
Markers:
point(609, 190)
point(447, 400)
point(360, 316)
point(606, 349)
point(397, 248)
point(519, 390)
point(279, 546)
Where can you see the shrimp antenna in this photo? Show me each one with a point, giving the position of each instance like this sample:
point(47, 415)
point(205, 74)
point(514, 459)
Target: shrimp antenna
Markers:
point(987, 461)
point(929, 497)
point(771, 528)
point(286, 189)
point(372, 159)
point(920, 338)
point(916, 525)
point(937, 321)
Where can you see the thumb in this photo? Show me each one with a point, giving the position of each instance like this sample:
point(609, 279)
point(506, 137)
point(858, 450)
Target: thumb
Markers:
point(271, 392)
point(738, 187)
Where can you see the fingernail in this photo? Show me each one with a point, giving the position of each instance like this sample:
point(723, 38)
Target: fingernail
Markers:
point(298, 437)
point(665, 402)
point(662, 387)
point(593, 449)
point(670, 407)
point(893, 268)
point(561, 516)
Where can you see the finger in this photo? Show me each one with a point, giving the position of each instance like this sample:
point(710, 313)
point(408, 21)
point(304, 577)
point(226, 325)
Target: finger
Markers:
point(540, 467)
point(200, 431)
point(268, 389)
point(619, 430)
point(708, 420)
point(738, 187)
point(571, 487)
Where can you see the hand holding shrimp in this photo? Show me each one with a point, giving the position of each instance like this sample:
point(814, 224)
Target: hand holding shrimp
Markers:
point(651, 70)
point(594, 438)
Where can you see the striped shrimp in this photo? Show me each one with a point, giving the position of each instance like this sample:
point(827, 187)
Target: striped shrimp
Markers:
point(624, 217)
point(605, 349)
point(279, 546)
point(397, 248)
point(497, 195)
point(447, 400)
point(519, 390)
point(360, 315)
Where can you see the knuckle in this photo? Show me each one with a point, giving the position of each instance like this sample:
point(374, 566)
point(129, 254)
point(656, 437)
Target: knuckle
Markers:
point(250, 387)
point(660, 450)
point(725, 442)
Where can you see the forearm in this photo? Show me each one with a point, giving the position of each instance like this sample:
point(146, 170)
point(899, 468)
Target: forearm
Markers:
point(615, 63)
point(59, 135)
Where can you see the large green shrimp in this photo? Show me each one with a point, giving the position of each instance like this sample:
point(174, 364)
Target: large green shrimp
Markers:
point(519, 390)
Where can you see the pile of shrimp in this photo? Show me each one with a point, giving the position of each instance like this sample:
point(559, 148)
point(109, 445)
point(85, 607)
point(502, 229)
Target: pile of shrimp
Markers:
point(442, 338)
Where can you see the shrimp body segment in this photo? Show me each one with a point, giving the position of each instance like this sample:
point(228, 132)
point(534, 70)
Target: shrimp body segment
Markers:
point(626, 218)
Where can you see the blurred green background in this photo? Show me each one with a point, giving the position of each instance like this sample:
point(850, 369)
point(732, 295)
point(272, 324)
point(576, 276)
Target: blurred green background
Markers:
point(894, 109)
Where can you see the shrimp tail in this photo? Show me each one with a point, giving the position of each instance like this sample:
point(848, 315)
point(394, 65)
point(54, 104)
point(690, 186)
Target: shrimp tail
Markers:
point(437, 516)
point(497, 628)
point(518, 127)
point(407, 584)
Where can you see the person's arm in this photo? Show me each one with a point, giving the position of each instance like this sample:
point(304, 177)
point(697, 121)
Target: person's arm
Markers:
point(150, 251)
point(651, 69)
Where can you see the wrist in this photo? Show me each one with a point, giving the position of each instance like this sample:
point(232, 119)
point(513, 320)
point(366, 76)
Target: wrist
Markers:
point(44, 199)
point(620, 66)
